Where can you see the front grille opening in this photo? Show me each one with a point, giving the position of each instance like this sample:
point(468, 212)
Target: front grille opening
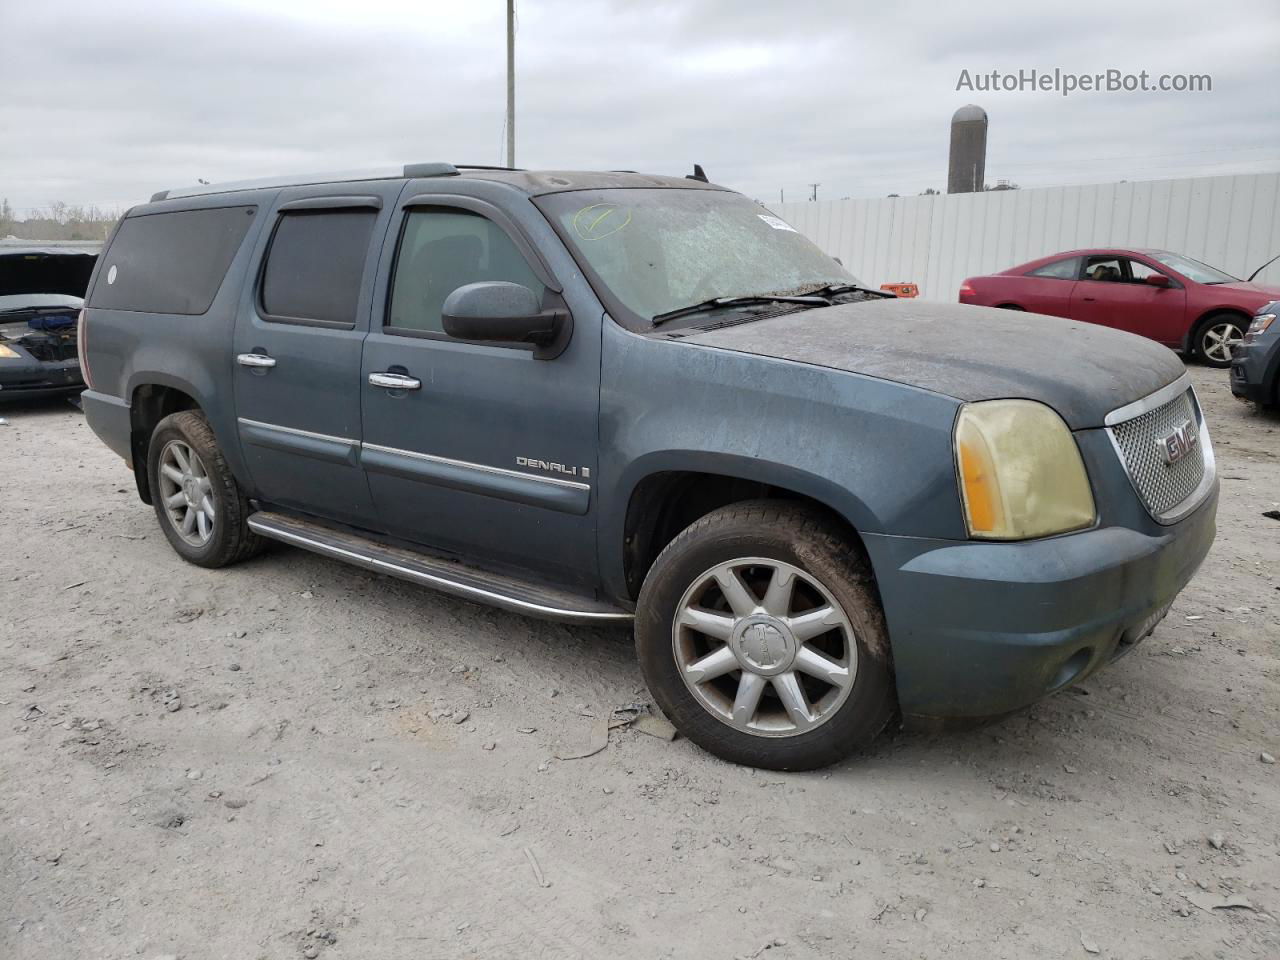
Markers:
point(1163, 487)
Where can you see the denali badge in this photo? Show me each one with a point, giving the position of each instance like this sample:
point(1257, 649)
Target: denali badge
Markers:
point(1179, 443)
point(552, 467)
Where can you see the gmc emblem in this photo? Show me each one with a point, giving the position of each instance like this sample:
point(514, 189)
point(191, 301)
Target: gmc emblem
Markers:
point(1179, 443)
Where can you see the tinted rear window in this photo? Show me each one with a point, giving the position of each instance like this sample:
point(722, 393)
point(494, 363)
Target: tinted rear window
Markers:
point(170, 262)
point(315, 265)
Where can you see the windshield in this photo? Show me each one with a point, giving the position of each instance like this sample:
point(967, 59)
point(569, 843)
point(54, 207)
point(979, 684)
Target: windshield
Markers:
point(656, 250)
point(1194, 270)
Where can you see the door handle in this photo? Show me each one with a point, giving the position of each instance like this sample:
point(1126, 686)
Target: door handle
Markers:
point(256, 360)
point(1089, 299)
point(394, 381)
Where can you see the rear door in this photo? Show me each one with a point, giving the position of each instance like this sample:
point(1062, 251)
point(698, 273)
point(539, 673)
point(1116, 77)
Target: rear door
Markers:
point(487, 453)
point(299, 333)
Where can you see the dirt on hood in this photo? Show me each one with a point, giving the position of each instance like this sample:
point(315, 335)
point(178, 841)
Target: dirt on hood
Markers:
point(971, 353)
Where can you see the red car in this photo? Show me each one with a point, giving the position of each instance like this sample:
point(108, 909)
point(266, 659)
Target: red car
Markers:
point(1180, 302)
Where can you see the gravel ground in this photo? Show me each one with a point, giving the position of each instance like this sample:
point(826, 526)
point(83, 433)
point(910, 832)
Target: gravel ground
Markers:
point(296, 758)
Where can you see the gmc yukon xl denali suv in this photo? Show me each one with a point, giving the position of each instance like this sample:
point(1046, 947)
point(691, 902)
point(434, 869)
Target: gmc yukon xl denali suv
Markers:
point(604, 397)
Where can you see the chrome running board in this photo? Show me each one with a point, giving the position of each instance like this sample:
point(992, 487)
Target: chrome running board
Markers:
point(447, 576)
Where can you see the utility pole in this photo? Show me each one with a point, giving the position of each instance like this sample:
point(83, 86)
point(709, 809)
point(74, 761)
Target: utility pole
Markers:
point(814, 187)
point(511, 83)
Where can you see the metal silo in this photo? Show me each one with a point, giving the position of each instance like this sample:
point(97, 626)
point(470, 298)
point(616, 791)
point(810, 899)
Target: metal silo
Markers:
point(968, 162)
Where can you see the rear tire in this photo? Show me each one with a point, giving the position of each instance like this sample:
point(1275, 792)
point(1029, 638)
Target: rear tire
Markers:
point(794, 672)
point(201, 508)
point(1217, 336)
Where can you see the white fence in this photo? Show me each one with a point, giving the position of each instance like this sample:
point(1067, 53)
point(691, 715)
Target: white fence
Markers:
point(936, 241)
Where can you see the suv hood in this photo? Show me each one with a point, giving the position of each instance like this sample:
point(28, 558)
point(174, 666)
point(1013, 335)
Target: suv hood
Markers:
point(970, 353)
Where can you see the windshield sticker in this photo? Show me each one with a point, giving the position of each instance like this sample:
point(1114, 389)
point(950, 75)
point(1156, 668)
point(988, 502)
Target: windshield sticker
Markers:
point(600, 220)
point(776, 223)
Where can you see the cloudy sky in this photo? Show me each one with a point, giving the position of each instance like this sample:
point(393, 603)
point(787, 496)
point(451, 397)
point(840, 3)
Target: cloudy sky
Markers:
point(106, 101)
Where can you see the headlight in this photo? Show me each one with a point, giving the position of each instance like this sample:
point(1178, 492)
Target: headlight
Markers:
point(8, 353)
point(1259, 325)
point(1020, 471)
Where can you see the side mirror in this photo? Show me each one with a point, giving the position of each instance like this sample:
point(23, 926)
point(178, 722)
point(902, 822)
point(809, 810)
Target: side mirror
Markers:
point(1158, 280)
point(495, 311)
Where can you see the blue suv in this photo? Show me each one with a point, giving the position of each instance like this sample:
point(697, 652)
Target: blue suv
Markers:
point(613, 397)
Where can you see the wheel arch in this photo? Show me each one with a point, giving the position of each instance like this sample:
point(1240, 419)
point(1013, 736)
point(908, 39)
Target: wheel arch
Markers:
point(668, 492)
point(1193, 329)
point(149, 403)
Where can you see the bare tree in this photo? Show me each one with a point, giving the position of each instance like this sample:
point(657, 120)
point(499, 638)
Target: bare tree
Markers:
point(61, 221)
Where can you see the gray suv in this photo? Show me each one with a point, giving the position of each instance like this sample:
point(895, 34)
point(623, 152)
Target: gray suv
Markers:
point(611, 397)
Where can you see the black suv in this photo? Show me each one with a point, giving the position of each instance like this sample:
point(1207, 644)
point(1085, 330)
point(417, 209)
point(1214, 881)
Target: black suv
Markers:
point(610, 396)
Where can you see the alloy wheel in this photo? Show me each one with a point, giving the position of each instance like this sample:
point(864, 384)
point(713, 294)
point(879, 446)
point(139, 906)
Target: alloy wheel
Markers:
point(187, 493)
point(764, 647)
point(1218, 342)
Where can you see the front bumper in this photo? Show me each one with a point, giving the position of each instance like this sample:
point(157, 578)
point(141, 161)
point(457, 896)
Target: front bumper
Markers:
point(981, 629)
point(1255, 371)
point(26, 378)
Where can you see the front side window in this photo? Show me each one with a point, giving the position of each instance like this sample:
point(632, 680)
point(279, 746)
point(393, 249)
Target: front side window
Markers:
point(658, 249)
point(1058, 270)
point(442, 249)
point(1139, 271)
point(315, 266)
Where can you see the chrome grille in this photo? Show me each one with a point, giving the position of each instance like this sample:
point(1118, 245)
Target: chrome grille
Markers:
point(1163, 487)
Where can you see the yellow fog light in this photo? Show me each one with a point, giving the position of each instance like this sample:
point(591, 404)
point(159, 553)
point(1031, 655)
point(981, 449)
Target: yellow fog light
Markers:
point(1020, 471)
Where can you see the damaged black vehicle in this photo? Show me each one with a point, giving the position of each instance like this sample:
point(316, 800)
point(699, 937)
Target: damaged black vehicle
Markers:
point(41, 293)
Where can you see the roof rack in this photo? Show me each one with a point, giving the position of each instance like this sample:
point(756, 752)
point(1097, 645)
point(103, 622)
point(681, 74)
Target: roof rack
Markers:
point(409, 170)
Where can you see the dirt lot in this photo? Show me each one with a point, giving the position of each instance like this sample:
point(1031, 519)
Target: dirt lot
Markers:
point(295, 758)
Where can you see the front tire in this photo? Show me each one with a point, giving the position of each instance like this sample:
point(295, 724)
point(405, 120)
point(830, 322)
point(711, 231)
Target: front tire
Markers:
point(1217, 336)
point(761, 636)
point(201, 508)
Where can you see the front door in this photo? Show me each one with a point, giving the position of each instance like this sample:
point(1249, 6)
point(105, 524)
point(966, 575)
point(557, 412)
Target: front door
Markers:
point(299, 333)
point(1113, 292)
point(479, 450)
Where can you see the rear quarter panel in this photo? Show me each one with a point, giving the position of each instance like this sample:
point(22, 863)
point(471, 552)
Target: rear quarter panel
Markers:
point(1045, 295)
point(128, 350)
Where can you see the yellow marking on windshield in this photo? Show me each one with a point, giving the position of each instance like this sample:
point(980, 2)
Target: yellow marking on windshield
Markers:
point(593, 229)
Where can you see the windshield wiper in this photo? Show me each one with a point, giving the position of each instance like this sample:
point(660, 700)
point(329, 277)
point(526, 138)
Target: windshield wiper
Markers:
point(717, 303)
point(835, 289)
